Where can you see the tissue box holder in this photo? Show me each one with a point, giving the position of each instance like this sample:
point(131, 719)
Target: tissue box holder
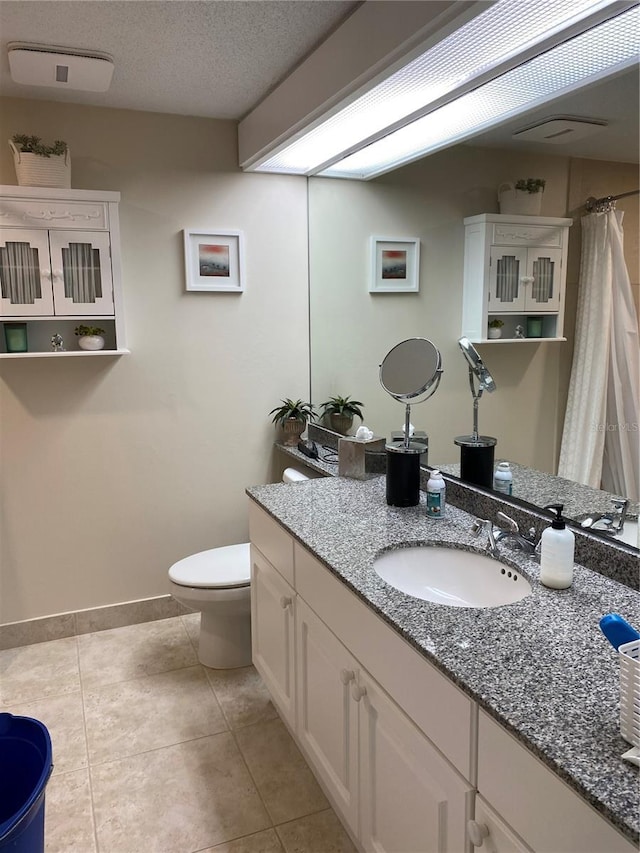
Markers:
point(352, 455)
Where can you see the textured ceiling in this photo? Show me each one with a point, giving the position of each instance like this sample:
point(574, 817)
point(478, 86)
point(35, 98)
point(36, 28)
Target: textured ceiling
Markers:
point(215, 59)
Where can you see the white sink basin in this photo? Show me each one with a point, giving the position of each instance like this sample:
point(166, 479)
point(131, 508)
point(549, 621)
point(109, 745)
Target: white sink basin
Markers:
point(451, 576)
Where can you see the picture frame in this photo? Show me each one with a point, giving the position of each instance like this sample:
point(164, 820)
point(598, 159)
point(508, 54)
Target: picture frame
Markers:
point(395, 265)
point(214, 261)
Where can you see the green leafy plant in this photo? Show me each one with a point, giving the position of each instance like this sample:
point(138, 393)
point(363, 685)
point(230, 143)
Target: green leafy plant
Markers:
point(34, 145)
point(83, 331)
point(496, 323)
point(342, 406)
point(530, 185)
point(293, 409)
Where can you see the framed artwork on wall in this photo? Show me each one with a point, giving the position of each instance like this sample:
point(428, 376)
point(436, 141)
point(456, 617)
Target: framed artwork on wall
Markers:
point(214, 261)
point(395, 265)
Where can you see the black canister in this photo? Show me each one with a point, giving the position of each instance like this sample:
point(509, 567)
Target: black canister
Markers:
point(403, 474)
point(476, 459)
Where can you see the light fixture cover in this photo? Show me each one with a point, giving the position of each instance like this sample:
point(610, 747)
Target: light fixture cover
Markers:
point(60, 68)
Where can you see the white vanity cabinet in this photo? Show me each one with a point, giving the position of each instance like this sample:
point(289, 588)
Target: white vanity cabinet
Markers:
point(526, 804)
point(60, 266)
point(273, 633)
point(515, 268)
point(392, 787)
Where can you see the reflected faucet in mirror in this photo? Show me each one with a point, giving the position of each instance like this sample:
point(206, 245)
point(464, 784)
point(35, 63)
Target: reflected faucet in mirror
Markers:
point(476, 451)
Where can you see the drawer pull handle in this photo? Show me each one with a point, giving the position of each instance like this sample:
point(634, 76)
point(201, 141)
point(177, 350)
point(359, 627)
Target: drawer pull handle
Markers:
point(347, 675)
point(477, 832)
point(285, 601)
point(357, 691)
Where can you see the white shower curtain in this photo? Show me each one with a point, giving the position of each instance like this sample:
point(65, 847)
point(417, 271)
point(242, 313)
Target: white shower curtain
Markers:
point(600, 440)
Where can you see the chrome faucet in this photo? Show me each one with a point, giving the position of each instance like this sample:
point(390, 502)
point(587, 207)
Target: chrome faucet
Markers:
point(486, 526)
point(611, 522)
point(511, 531)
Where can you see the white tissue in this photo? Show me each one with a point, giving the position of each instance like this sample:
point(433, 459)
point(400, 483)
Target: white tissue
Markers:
point(363, 433)
point(411, 429)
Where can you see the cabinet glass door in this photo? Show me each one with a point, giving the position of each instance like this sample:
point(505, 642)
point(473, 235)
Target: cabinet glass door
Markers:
point(81, 268)
point(25, 273)
point(542, 292)
point(506, 288)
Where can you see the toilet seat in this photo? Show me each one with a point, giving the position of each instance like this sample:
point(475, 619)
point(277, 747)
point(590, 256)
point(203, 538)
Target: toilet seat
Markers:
point(218, 568)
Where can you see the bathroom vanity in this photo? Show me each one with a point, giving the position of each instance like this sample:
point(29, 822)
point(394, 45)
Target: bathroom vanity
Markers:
point(437, 728)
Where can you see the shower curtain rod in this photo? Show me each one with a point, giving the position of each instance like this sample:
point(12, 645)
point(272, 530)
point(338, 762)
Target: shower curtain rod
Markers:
point(597, 203)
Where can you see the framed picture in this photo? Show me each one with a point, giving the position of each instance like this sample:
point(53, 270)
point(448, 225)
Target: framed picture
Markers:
point(214, 260)
point(395, 265)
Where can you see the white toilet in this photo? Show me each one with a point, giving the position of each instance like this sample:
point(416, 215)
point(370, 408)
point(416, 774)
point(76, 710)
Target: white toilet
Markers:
point(218, 583)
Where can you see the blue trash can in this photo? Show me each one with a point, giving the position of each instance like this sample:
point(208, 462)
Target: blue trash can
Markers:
point(25, 767)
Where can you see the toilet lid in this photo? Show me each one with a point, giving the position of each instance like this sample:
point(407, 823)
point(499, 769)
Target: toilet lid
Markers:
point(214, 569)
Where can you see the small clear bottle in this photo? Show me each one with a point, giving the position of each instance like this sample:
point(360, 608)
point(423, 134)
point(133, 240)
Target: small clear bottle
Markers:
point(503, 478)
point(436, 488)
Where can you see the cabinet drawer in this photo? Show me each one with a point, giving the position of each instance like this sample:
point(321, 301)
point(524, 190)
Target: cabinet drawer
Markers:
point(274, 542)
point(527, 235)
point(38, 213)
point(511, 779)
point(433, 702)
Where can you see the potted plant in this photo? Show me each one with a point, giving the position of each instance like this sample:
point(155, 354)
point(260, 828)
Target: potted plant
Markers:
point(292, 416)
point(495, 328)
point(340, 412)
point(524, 197)
point(40, 165)
point(90, 337)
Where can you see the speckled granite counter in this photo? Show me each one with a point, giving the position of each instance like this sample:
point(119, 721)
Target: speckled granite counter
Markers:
point(541, 667)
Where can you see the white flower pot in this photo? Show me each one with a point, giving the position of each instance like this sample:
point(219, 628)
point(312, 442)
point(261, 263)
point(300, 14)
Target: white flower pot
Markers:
point(519, 202)
point(33, 170)
point(494, 333)
point(91, 342)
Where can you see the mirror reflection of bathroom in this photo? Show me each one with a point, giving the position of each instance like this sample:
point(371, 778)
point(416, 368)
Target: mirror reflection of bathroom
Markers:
point(410, 373)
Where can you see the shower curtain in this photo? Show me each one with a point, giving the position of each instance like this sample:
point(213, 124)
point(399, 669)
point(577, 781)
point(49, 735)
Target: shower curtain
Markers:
point(600, 440)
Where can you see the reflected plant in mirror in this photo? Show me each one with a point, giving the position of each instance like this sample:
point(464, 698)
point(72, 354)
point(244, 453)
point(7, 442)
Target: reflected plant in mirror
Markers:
point(340, 412)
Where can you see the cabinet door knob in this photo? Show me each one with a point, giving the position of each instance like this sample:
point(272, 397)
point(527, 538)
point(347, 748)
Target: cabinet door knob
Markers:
point(46, 273)
point(285, 601)
point(347, 675)
point(57, 273)
point(357, 691)
point(527, 279)
point(477, 832)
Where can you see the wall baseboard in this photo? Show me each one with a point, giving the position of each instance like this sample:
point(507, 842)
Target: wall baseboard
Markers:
point(72, 624)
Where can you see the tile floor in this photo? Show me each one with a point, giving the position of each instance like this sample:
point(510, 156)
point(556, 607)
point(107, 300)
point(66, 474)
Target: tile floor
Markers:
point(155, 753)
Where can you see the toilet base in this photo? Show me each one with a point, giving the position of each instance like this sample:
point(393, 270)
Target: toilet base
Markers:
point(225, 643)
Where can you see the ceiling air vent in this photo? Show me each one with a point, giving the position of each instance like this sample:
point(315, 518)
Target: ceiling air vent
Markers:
point(558, 130)
point(60, 67)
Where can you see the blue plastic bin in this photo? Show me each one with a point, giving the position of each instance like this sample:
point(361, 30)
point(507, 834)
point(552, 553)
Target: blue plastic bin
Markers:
point(25, 767)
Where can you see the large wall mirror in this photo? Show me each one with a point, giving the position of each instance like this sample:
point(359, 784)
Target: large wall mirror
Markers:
point(352, 329)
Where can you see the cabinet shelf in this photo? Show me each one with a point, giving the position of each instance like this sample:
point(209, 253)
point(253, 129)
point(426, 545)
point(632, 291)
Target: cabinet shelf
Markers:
point(72, 353)
point(514, 340)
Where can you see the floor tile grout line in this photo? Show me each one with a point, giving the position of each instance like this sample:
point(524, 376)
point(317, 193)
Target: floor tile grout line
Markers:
point(86, 744)
point(251, 776)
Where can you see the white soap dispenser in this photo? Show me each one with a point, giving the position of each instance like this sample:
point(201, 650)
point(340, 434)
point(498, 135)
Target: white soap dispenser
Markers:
point(556, 552)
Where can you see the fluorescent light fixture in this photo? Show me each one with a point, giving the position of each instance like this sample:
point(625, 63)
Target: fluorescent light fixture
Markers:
point(496, 41)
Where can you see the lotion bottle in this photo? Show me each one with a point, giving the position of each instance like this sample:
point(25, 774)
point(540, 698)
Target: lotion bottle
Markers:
point(556, 552)
point(435, 495)
point(503, 478)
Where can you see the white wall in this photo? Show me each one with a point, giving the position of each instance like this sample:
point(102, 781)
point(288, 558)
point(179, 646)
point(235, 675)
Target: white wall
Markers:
point(114, 468)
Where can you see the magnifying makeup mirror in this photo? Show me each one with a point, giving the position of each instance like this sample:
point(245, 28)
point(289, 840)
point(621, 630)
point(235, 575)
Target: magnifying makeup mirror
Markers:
point(476, 451)
point(410, 373)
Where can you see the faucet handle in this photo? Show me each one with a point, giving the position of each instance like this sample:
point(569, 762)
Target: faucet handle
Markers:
point(620, 503)
point(511, 525)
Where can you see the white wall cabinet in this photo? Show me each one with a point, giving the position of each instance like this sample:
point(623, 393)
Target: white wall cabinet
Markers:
point(60, 267)
point(515, 268)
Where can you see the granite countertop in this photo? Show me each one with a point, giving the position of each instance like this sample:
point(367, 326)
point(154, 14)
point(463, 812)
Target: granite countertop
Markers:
point(541, 667)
